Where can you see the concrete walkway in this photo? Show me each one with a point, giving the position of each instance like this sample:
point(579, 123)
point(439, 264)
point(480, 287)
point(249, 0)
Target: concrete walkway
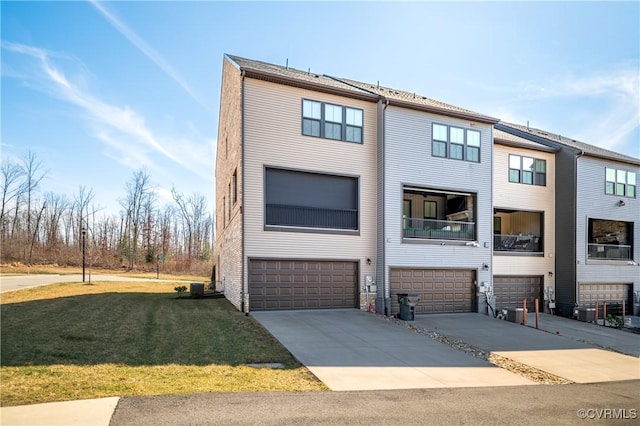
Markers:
point(19, 282)
point(352, 350)
point(88, 412)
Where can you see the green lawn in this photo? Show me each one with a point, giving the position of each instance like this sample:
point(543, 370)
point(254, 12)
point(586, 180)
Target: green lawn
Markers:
point(76, 341)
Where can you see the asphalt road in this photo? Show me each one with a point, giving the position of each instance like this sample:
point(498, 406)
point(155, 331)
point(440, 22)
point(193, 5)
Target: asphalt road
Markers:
point(18, 282)
point(610, 403)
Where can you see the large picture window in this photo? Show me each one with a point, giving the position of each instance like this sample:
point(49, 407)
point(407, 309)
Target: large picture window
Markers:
point(455, 142)
point(620, 183)
point(329, 121)
point(527, 170)
point(296, 199)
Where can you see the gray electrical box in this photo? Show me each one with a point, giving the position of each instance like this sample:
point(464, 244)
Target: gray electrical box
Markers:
point(516, 315)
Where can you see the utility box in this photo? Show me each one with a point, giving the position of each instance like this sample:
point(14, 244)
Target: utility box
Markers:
point(408, 304)
point(516, 315)
point(196, 290)
point(587, 314)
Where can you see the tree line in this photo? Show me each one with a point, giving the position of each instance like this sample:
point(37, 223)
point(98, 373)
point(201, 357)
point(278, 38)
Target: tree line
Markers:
point(42, 227)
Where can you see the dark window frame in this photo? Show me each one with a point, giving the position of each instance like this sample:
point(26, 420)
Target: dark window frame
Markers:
point(235, 186)
point(465, 148)
point(345, 135)
point(537, 178)
point(424, 209)
point(626, 184)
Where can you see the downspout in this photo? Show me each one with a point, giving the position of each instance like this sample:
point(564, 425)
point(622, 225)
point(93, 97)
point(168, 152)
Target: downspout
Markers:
point(386, 301)
point(245, 283)
point(576, 286)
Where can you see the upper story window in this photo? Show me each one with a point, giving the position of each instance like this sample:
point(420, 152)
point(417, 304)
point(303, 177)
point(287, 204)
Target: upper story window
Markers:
point(620, 183)
point(329, 121)
point(528, 170)
point(456, 142)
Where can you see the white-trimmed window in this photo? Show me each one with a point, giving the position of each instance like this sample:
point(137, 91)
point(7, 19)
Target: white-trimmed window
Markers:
point(620, 182)
point(527, 170)
point(455, 142)
point(330, 121)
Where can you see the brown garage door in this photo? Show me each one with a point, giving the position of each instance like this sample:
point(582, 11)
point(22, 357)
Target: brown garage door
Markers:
point(277, 284)
point(590, 293)
point(512, 290)
point(440, 290)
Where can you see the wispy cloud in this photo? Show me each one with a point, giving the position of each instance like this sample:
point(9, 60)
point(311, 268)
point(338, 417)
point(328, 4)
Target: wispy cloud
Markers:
point(120, 128)
point(147, 50)
point(601, 108)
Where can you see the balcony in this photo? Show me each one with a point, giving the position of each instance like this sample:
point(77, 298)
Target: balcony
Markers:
point(609, 252)
point(432, 229)
point(517, 243)
point(311, 217)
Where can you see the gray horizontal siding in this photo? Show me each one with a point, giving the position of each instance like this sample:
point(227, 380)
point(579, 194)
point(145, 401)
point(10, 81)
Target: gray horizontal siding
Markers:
point(408, 161)
point(592, 202)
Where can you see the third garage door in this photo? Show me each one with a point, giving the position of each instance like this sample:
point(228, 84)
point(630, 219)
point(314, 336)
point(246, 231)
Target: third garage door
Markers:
point(440, 290)
point(510, 291)
point(277, 284)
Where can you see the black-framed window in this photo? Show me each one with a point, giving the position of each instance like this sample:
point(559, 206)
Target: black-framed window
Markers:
point(619, 182)
point(455, 142)
point(298, 199)
point(527, 170)
point(235, 186)
point(331, 121)
point(430, 209)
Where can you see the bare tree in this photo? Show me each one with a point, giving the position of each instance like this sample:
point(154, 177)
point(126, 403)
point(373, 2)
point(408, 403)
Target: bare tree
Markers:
point(193, 211)
point(139, 195)
point(33, 174)
point(11, 174)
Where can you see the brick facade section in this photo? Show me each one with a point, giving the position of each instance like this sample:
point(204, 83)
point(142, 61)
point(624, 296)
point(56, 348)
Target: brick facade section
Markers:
point(228, 162)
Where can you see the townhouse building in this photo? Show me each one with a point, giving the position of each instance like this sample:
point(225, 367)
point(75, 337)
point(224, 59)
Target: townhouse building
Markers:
point(523, 222)
point(334, 193)
point(597, 221)
point(295, 188)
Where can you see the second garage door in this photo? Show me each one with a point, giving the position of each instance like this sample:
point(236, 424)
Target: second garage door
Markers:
point(604, 292)
point(440, 290)
point(512, 290)
point(278, 284)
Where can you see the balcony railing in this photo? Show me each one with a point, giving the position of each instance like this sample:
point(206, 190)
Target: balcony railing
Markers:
point(432, 229)
point(609, 251)
point(517, 243)
point(311, 217)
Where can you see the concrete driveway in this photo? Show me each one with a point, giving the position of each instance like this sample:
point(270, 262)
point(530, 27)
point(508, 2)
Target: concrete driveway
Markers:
point(352, 350)
point(574, 354)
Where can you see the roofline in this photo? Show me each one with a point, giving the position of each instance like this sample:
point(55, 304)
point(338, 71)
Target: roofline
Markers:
point(318, 87)
point(442, 111)
point(557, 144)
point(515, 144)
point(357, 93)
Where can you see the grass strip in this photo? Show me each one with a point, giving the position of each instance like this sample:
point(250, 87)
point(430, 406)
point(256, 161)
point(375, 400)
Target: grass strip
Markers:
point(77, 341)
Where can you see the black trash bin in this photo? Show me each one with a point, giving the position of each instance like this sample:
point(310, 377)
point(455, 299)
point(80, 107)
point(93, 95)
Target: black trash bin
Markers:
point(407, 305)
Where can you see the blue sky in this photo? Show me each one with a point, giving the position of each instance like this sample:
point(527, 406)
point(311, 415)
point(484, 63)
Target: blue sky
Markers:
point(99, 90)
